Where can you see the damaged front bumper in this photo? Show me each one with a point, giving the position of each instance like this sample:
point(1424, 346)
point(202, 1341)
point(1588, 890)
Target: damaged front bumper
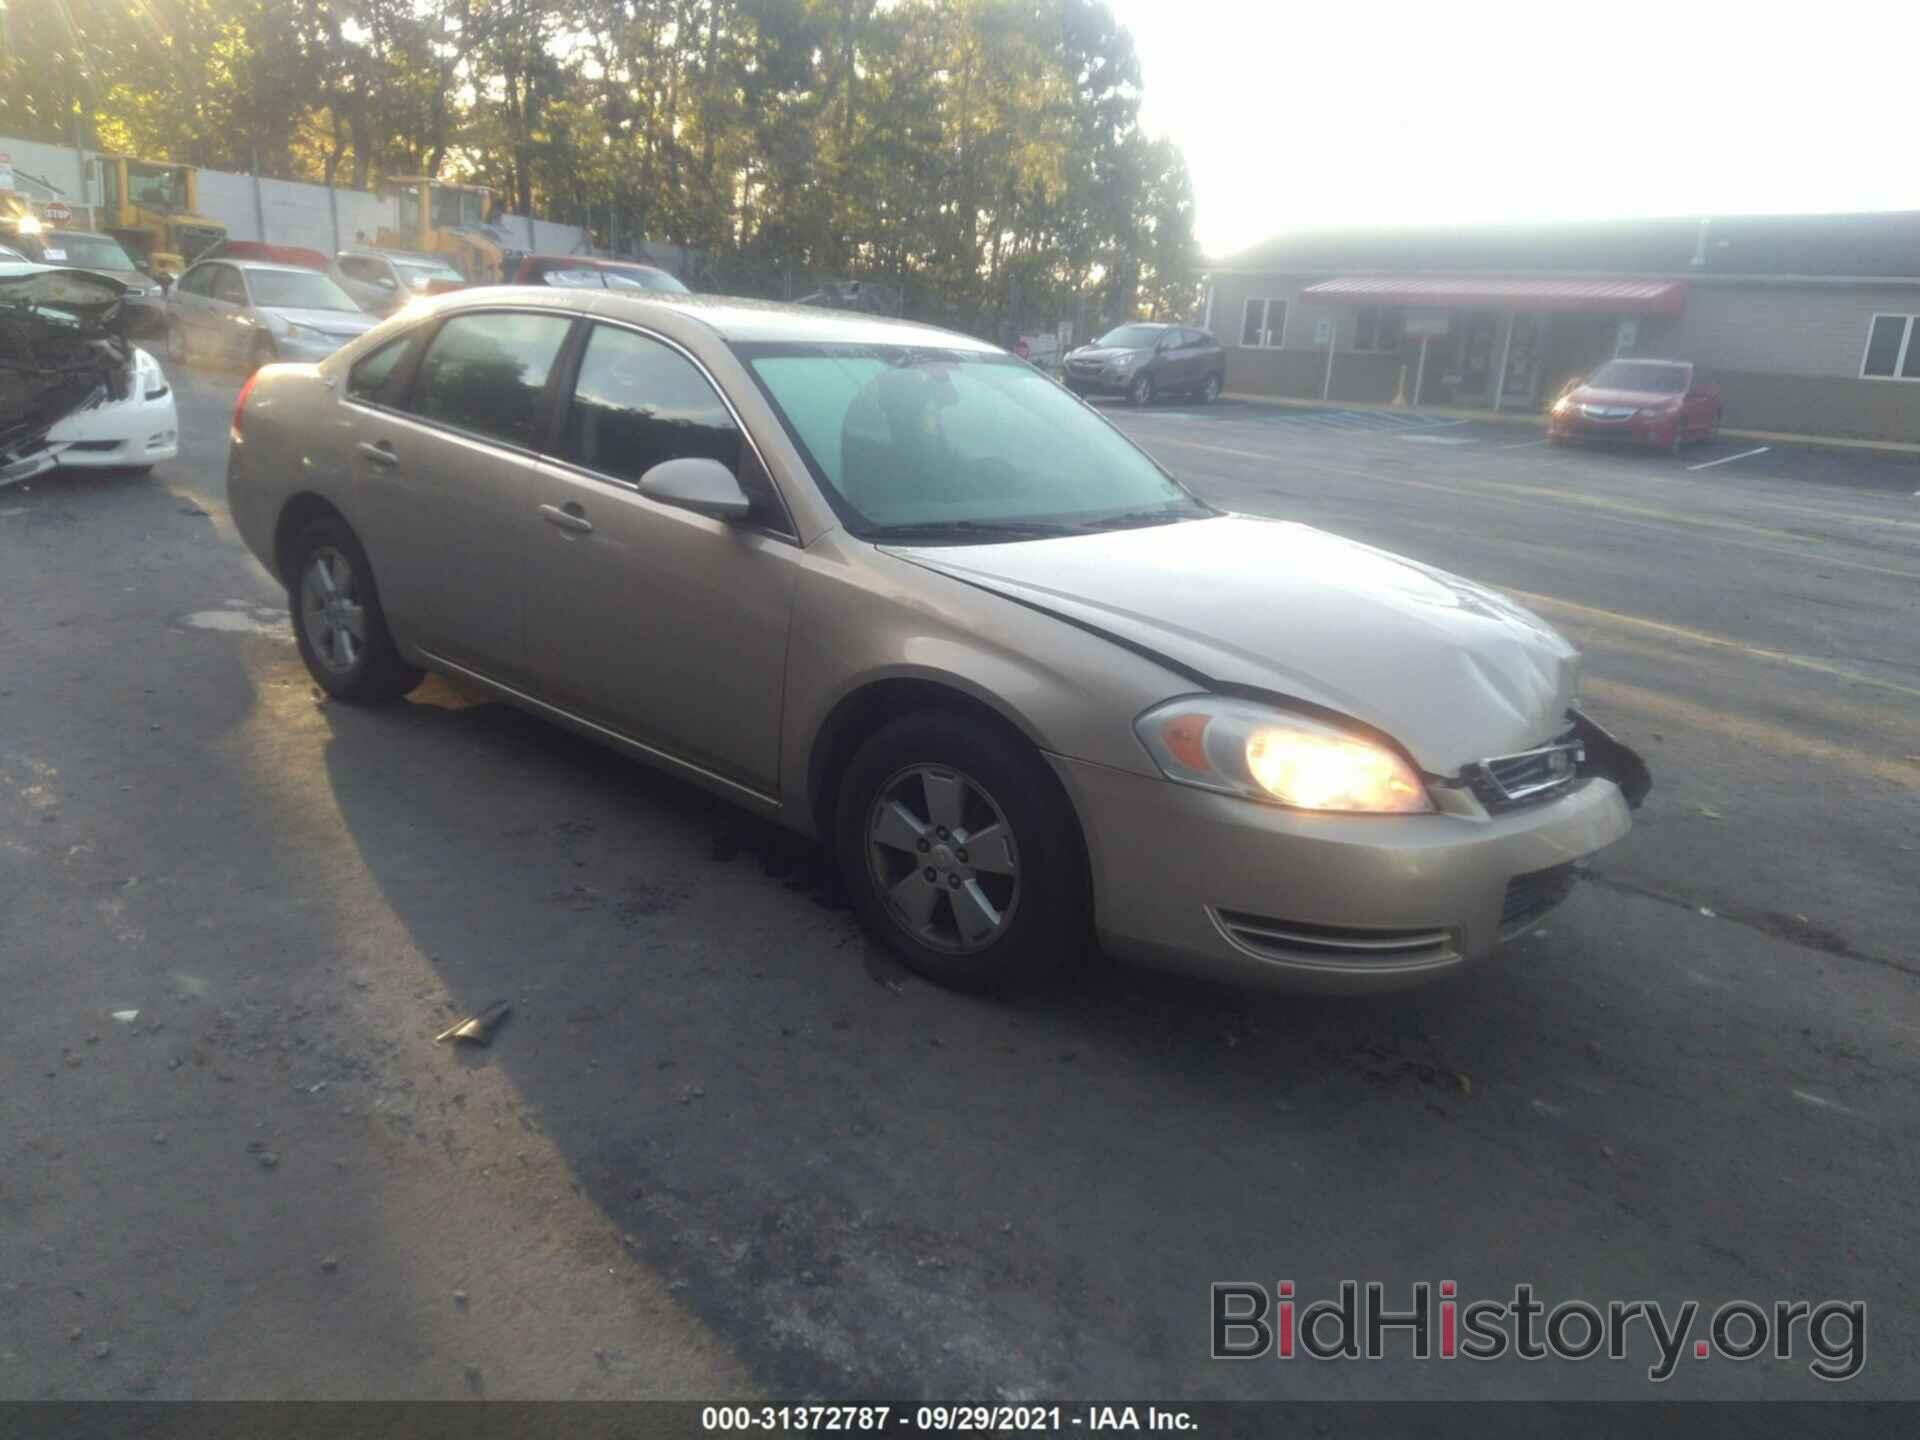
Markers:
point(63, 350)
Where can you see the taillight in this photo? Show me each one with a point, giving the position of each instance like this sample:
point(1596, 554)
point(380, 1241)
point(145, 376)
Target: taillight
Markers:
point(240, 405)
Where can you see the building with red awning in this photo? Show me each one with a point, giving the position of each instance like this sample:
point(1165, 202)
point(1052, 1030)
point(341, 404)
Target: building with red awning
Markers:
point(1807, 323)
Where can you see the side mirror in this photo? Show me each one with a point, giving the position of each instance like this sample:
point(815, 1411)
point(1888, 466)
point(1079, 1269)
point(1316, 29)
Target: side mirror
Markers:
point(703, 486)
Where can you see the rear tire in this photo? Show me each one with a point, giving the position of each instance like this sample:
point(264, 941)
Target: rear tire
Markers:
point(960, 853)
point(337, 620)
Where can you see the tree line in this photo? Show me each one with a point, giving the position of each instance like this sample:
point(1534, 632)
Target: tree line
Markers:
point(986, 152)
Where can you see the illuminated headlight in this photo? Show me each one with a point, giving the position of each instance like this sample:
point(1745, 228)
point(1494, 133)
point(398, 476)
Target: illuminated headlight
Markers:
point(1563, 405)
point(30, 225)
point(1265, 753)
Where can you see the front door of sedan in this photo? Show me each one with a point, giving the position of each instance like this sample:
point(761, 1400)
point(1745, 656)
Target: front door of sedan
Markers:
point(443, 478)
point(1702, 405)
point(229, 331)
point(667, 626)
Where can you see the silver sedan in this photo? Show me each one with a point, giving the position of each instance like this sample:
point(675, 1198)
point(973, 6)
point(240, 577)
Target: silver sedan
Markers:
point(892, 588)
point(254, 313)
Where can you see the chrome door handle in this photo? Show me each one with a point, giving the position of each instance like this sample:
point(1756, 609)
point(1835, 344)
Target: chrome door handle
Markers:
point(570, 518)
point(380, 455)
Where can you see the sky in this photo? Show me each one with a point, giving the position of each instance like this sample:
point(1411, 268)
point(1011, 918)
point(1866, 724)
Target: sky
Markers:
point(1297, 114)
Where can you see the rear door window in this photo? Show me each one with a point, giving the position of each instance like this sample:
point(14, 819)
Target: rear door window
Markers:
point(487, 373)
point(380, 378)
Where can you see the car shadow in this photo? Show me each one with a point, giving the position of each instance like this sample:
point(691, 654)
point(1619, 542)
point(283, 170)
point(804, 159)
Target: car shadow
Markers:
point(869, 1185)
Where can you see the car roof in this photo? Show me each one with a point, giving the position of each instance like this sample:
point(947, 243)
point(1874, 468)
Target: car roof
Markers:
point(416, 257)
point(737, 318)
point(257, 265)
point(595, 262)
point(734, 318)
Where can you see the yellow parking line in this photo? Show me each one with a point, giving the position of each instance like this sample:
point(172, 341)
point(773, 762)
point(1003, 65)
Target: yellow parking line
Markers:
point(1593, 615)
point(1902, 773)
point(1643, 516)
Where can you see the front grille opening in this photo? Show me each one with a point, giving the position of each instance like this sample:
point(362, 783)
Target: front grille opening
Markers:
point(1509, 781)
point(1296, 942)
point(1532, 895)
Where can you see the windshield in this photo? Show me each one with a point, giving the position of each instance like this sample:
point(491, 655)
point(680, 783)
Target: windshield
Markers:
point(297, 290)
point(939, 444)
point(89, 252)
point(1131, 337)
point(640, 278)
point(1648, 379)
point(417, 276)
point(159, 187)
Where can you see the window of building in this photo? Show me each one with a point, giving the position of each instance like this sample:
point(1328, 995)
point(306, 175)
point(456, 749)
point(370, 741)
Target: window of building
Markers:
point(1264, 324)
point(488, 373)
point(1378, 327)
point(1893, 348)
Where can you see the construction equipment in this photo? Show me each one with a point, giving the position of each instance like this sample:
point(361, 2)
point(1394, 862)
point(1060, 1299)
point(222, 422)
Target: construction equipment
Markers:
point(441, 218)
point(151, 207)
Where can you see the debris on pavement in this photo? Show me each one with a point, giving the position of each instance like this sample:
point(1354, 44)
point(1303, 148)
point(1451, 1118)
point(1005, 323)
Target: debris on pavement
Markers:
point(126, 1017)
point(102, 1350)
point(477, 1028)
point(330, 1264)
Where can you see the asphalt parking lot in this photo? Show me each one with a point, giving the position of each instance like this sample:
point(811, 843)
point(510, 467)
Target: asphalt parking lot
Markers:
point(723, 1145)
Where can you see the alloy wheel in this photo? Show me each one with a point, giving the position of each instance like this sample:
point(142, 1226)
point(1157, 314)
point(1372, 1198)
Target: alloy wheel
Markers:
point(943, 859)
point(331, 610)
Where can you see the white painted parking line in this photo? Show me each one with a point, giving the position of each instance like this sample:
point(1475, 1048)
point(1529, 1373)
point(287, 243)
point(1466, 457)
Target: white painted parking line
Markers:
point(1440, 439)
point(1727, 459)
point(1523, 445)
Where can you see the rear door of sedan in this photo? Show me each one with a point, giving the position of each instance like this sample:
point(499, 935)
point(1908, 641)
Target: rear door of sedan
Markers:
point(444, 455)
point(667, 626)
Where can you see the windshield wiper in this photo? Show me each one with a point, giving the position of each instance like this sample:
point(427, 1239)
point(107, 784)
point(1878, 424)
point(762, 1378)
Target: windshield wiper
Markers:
point(1138, 519)
point(969, 529)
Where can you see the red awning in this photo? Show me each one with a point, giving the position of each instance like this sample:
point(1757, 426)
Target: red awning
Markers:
point(1505, 292)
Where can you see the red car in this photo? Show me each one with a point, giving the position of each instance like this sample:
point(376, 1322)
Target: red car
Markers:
point(1649, 402)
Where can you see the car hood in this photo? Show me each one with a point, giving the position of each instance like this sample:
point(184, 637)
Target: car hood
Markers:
point(1639, 399)
point(1106, 356)
point(1454, 671)
point(330, 322)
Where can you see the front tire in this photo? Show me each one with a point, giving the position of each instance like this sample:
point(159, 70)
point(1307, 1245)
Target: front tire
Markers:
point(1210, 391)
point(337, 620)
point(960, 853)
point(1140, 392)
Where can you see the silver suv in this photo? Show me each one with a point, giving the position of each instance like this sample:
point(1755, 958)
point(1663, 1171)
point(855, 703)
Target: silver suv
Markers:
point(384, 280)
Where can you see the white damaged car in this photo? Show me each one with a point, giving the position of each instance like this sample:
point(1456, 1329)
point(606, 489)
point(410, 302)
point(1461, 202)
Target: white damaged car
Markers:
point(74, 391)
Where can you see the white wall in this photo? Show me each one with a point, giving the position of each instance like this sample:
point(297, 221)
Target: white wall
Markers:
point(295, 213)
